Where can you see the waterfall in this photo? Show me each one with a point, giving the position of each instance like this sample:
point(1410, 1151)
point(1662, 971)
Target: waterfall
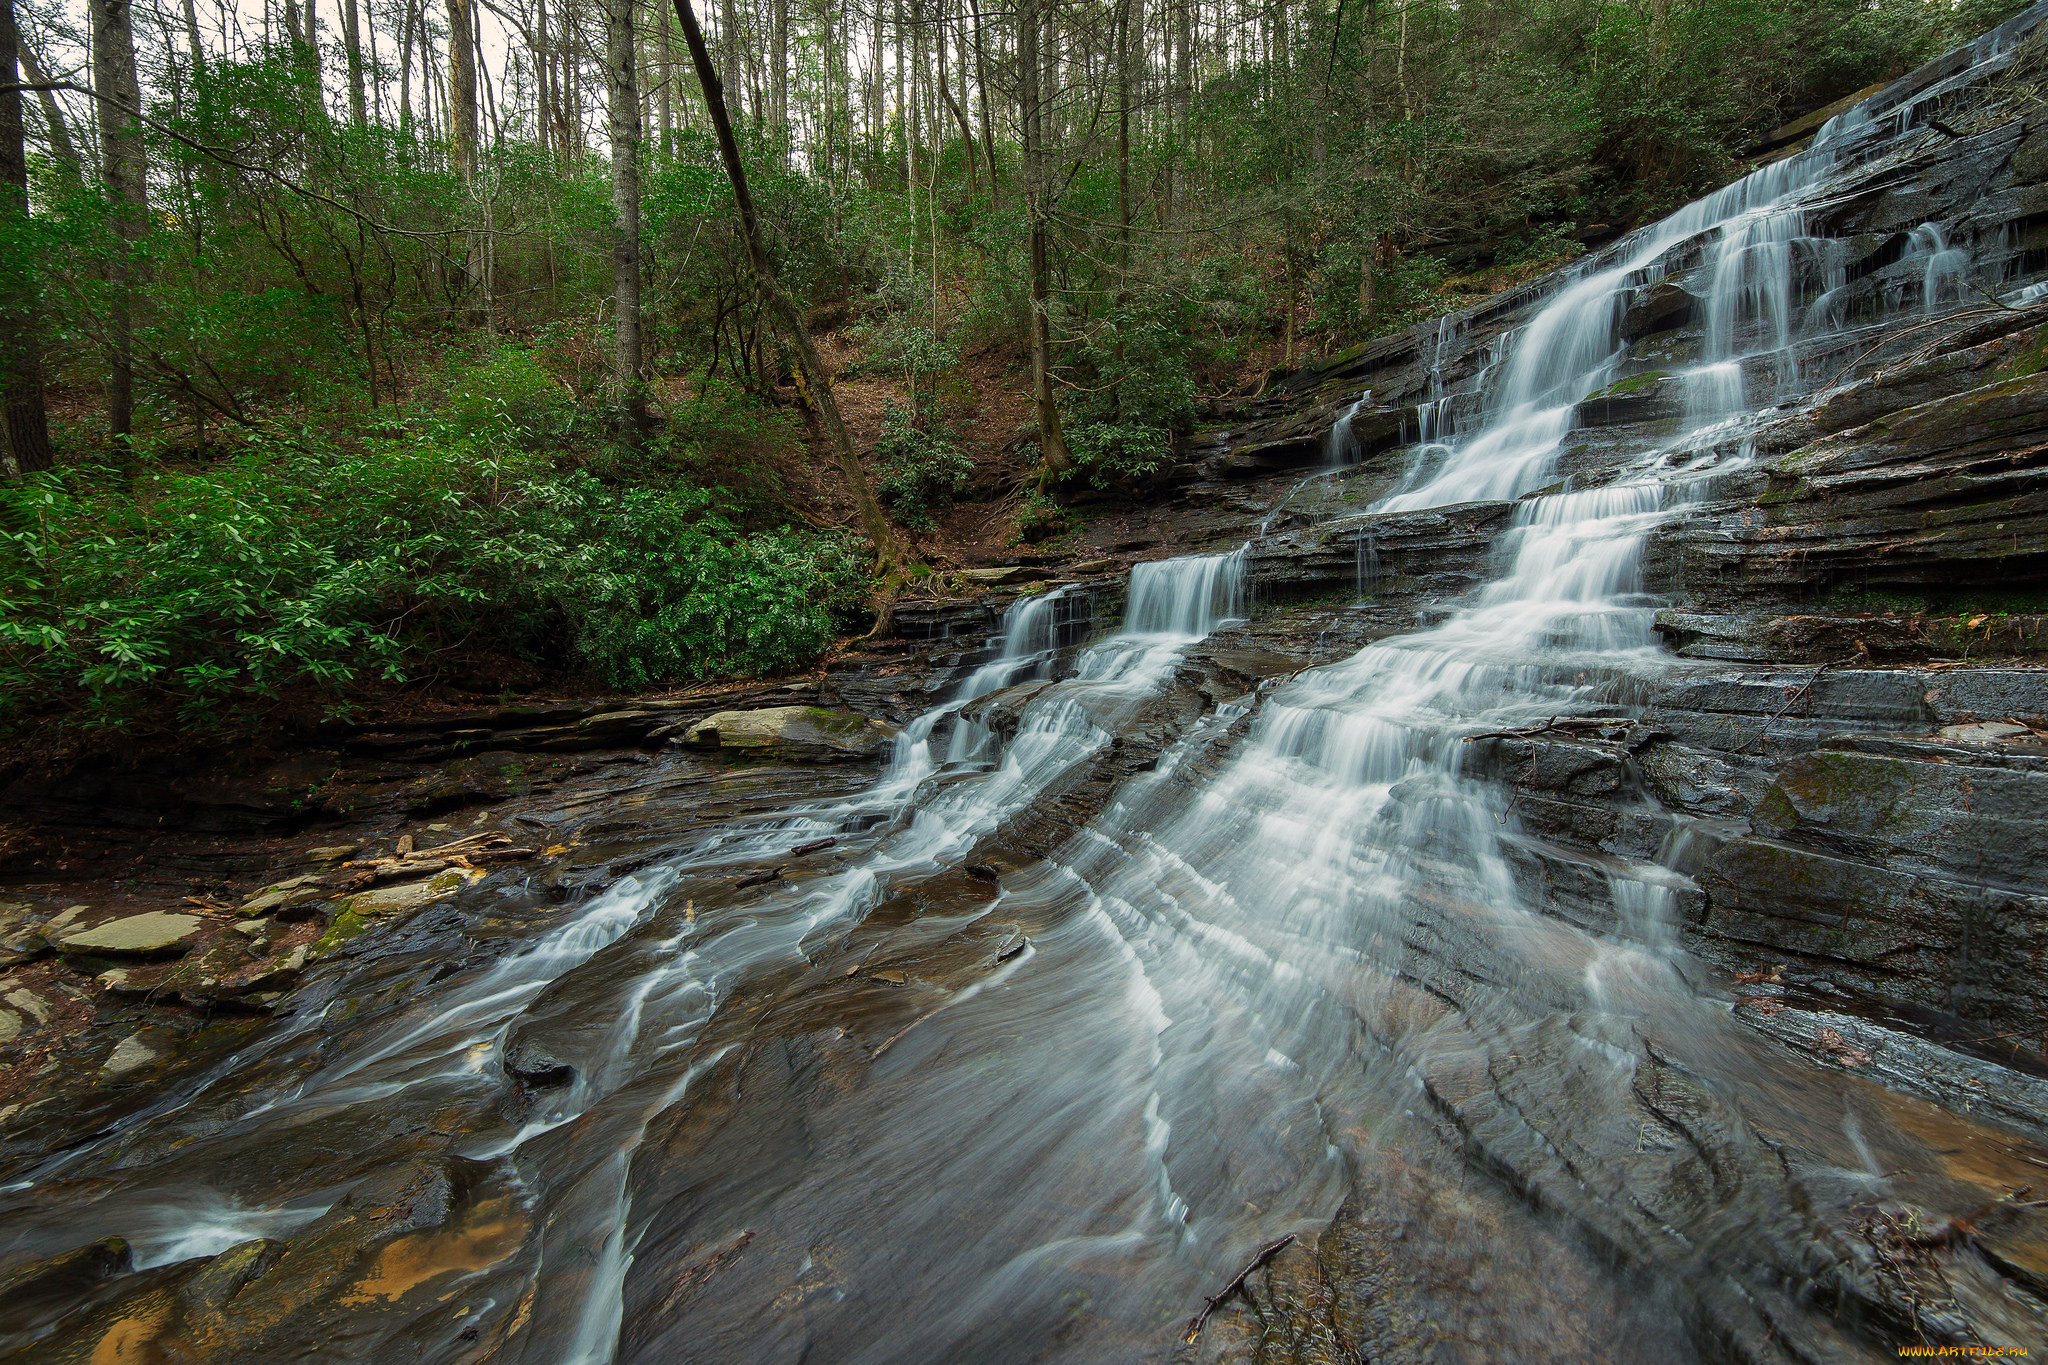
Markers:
point(1173, 964)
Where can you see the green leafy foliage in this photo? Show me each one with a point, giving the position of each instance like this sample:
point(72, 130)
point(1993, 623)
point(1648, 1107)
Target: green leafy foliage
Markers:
point(1141, 391)
point(287, 568)
point(921, 467)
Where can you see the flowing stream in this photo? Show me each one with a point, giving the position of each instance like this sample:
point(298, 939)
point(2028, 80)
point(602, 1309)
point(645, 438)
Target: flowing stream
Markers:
point(1226, 1015)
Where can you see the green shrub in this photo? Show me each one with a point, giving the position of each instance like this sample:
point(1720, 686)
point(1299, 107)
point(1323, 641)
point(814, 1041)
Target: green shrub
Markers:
point(921, 467)
point(668, 590)
point(292, 568)
point(1039, 518)
point(508, 396)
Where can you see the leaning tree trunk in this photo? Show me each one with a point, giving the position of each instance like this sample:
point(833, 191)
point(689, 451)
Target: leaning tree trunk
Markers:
point(54, 124)
point(621, 74)
point(890, 555)
point(122, 165)
point(24, 424)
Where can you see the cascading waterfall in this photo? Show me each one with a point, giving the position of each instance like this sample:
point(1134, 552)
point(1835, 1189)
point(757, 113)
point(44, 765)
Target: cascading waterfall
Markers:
point(665, 971)
point(1261, 979)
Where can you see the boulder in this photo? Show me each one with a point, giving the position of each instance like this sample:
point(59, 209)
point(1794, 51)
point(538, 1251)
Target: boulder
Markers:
point(804, 733)
point(1658, 308)
point(158, 933)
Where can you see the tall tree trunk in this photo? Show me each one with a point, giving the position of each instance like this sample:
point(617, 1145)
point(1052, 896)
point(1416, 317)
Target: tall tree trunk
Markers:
point(946, 94)
point(889, 552)
point(462, 143)
point(352, 42)
point(55, 124)
point(620, 76)
point(1052, 441)
point(25, 430)
point(988, 131)
point(778, 69)
point(192, 43)
point(668, 79)
point(124, 170)
point(729, 45)
point(902, 90)
point(376, 90)
point(405, 68)
point(1124, 59)
point(461, 92)
point(875, 76)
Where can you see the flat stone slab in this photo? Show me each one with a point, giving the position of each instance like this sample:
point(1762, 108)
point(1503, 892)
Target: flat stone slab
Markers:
point(159, 933)
point(797, 729)
point(406, 897)
point(1001, 576)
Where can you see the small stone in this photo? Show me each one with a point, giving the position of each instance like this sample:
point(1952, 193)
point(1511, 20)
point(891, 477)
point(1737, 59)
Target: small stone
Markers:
point(136, 983)
point(128, 1055)
point(158, 933)
point(10, 1026)
point(333, 853)
point(31, 1004)
point(68, 917)
point(255, 928)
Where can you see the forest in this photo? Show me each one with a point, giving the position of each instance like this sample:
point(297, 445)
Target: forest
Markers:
point(396, 344)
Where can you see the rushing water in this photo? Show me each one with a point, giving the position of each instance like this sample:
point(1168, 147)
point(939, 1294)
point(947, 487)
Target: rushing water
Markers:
point(1228, 1015)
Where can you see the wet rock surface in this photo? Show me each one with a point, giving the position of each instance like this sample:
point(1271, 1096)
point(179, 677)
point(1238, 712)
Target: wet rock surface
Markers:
point(563, 1032)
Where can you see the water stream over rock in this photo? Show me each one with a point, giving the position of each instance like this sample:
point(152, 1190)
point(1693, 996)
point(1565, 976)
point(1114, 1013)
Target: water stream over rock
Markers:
point(1142, 955)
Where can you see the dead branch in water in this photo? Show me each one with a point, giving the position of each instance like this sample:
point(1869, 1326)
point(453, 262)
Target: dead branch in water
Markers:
point(1266, 1254)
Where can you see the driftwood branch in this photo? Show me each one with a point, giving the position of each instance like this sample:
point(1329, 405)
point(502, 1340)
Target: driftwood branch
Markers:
point(1266, 1254)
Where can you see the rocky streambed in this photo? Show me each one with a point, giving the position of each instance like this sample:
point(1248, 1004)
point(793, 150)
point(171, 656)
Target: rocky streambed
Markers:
point(1549, 869)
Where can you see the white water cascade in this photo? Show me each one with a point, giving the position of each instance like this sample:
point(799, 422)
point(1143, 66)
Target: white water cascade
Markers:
point(1278, 968)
